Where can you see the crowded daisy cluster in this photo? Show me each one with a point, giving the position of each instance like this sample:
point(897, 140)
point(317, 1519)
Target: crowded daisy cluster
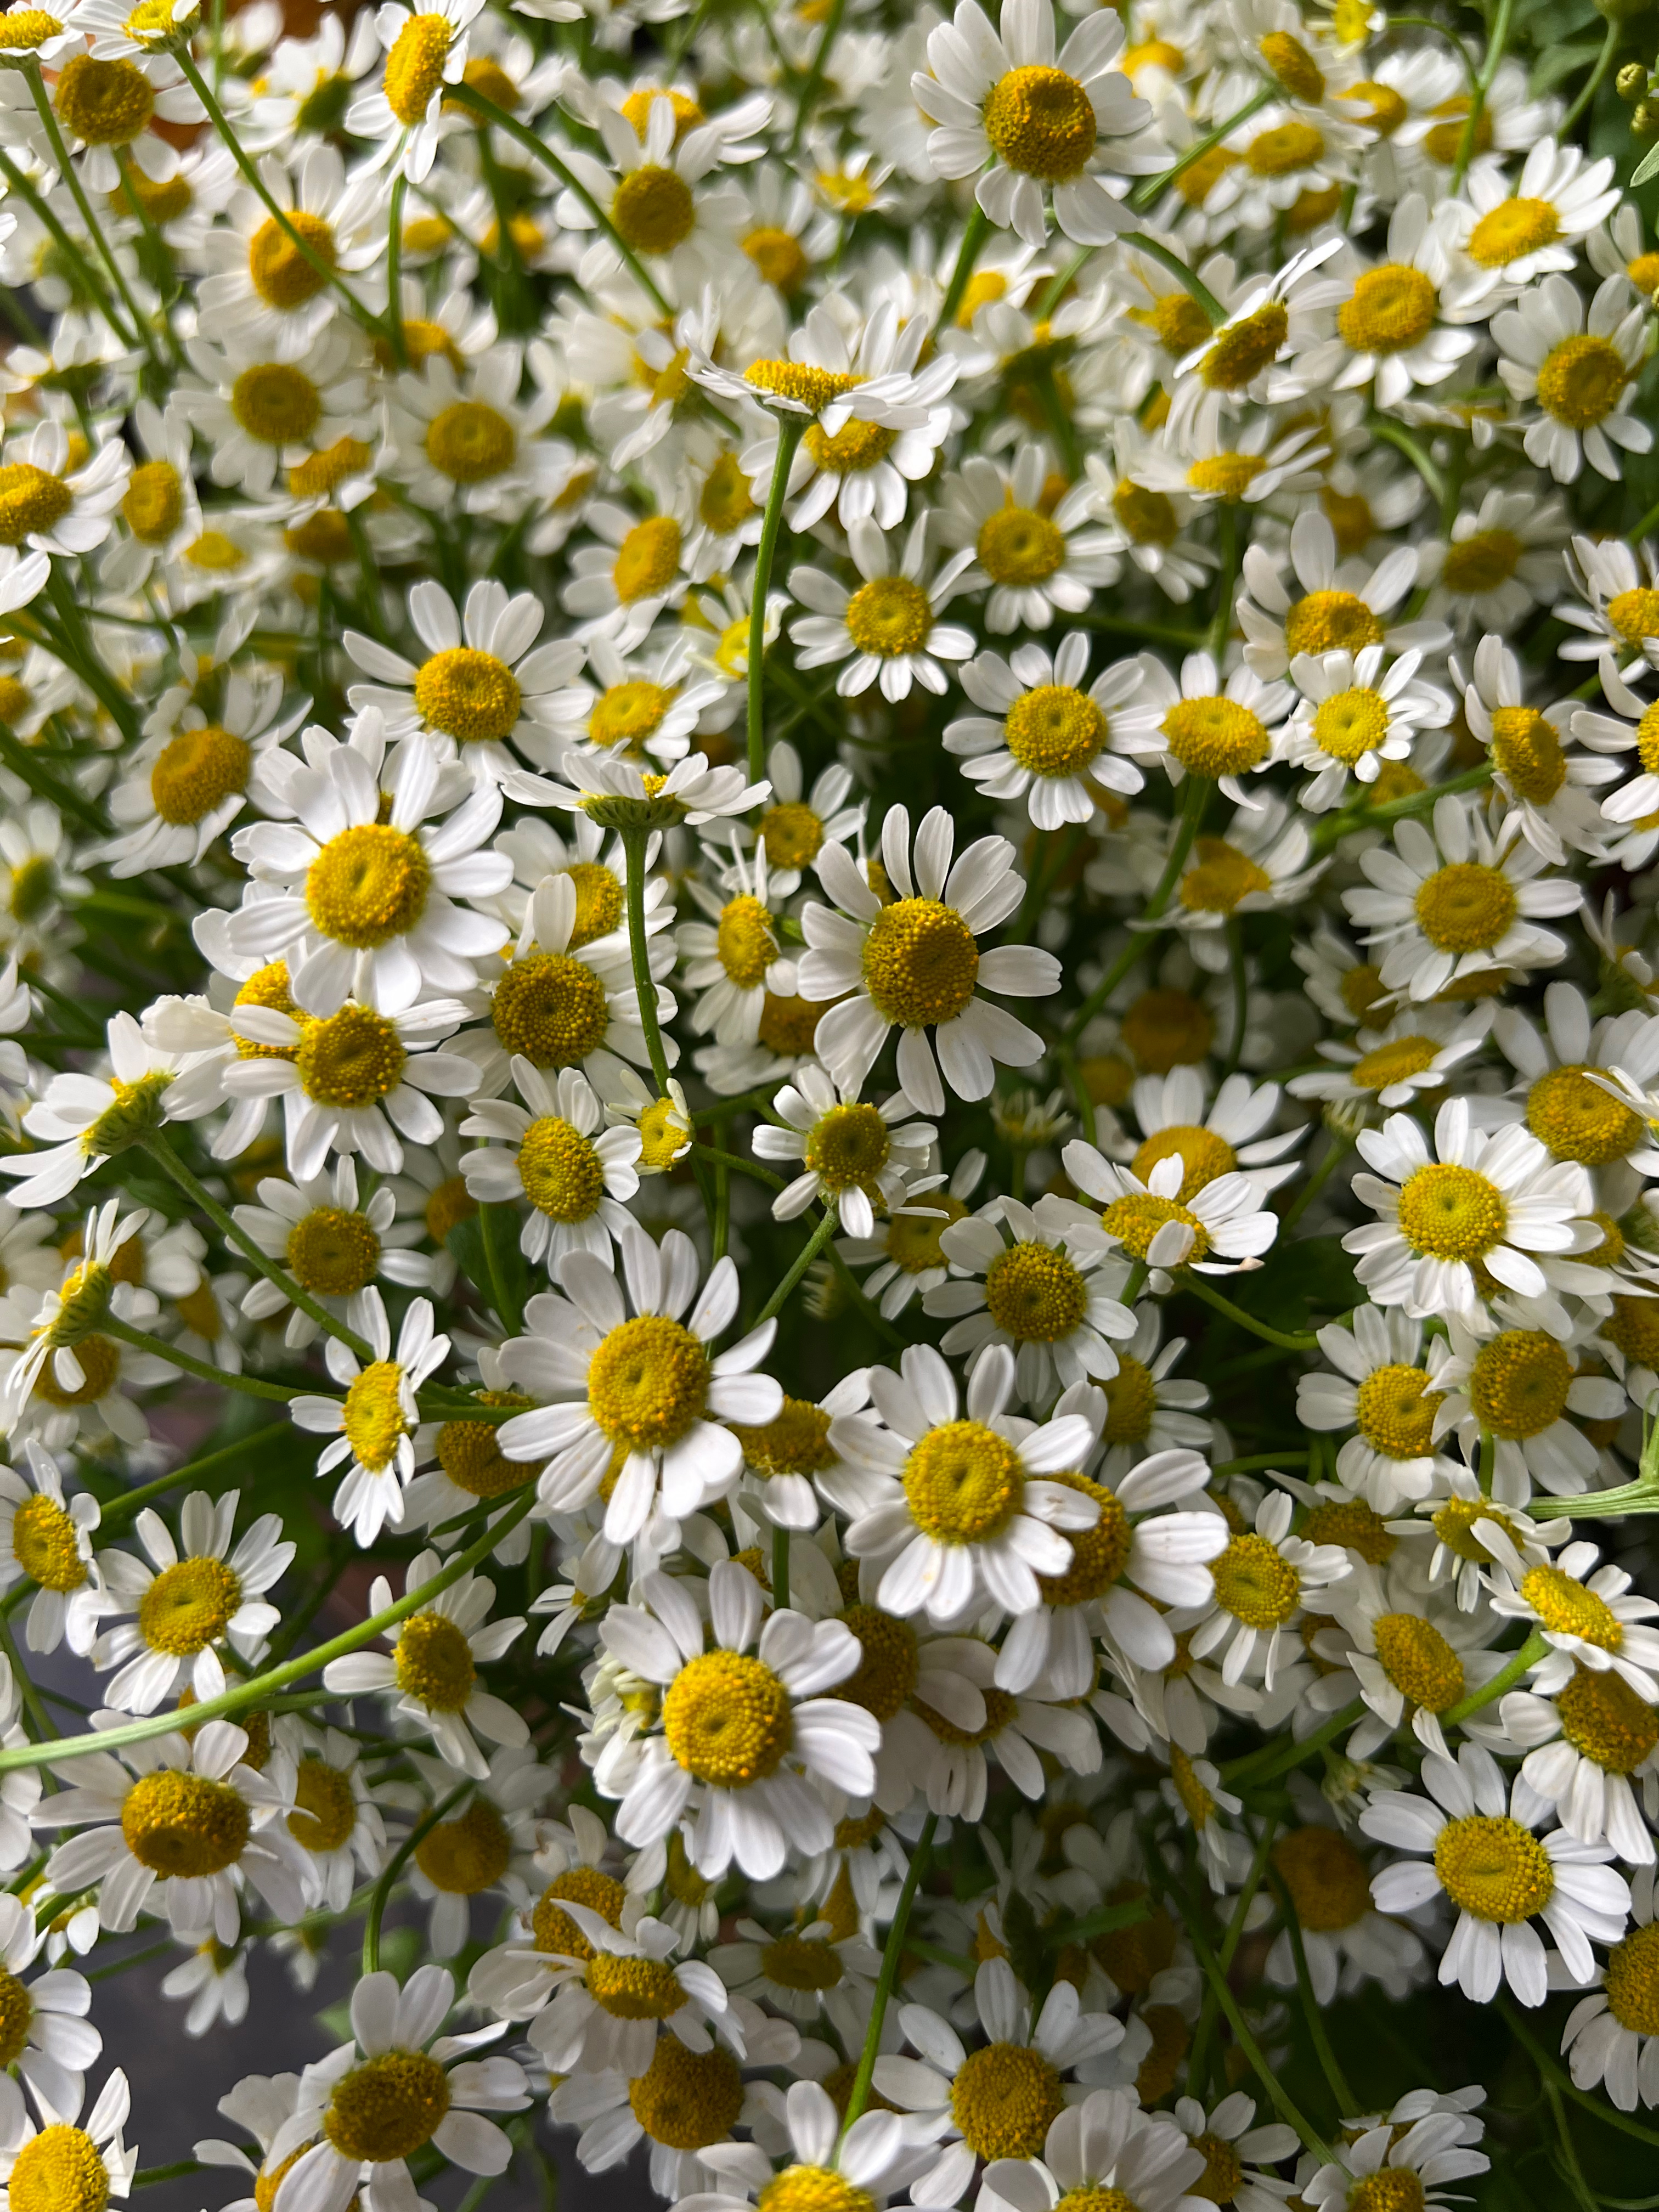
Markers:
point(830, 1104)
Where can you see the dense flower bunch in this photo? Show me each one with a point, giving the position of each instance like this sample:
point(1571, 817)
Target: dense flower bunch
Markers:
point(831, 1058)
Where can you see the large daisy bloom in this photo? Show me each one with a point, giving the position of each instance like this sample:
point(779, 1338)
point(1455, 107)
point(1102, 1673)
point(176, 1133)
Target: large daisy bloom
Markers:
point(1029, 119)
point(871, 2159)
point(1574, 377)
point(638, 1395)
point(1479, 1851)
point(60, 2158)
point(367, 2107)
point(1471, 1200)
point(953, 1503)
point(888, 629)
point(1014, 1283)
point(915, 964)
point(1261, 1578)
point(742, 1734)
point(1041, 736)
point(182, 1607)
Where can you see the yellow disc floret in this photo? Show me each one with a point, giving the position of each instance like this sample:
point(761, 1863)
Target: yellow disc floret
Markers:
point(727, 1719)
point(1099, 1555)
point(1605, 1722)
point(847, 1148)
point(1417, 1660)
point(59, 2170)
point(183, 1825)
point(435, 1662)
point(415, 67)
point(1581, 380)
point(46, 1545)
point(1577, 1119)
point(563, 1176)
point(887, 617)
point(1055, 730)
point(1254, 1584)
point(1632, 1984)
point(1035, 1294)
point(686, 2099)
point(1042, 122)
point(551, 1008)
point(1215, 735)
point(469, 695)
point(470, 441)
point(1004, 2098)
point(389, 2107)
point(1520, 1384)
point(1325, 1876)
point(324, 1805)
point(1450, 1212)
point(648, 1381)
point(920, 962)
point(189, 1606)
point(1565, 1607)
point(963, 1483)
point(1390, 310)
point(1493, 1868)
point(1018, 546)
point(1395, 1411)
point(197, 771)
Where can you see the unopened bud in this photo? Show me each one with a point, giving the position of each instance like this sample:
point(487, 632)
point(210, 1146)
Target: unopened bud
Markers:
point(1644, 123)
point(1632, 82)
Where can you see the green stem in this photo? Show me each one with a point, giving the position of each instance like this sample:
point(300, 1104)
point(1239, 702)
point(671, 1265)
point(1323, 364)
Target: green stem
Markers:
point(1279, 1757)
point(1528, 1656)
point(1252, 2049)
point(973, 237)
point(736, 1161)
point(859, 2095)
point(1548, 2071)
point(809, 1252)
point(1193, 799)
point(394, 1866)
point(237, 1699)
point(639, 944)
point(1197, 2060)
point(1201, 1289)
point(780, 1569)
point(1154, 250)
point(1335, 826)
point(1145, 194)
point(1060, 282)
point(249, 1385)
point(1415, 452)
point(70, 175)
point(1339, 1149)
point(1498, 42)
point(791, 429)
point(814, 84)
point(77, 260)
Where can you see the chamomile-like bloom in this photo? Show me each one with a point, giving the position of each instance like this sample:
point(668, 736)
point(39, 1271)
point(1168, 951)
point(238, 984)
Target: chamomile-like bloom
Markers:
point(182, 1607)
point(61, 2156)
point(555, 1150)
point(1574, 376)
point(1105, 2145)
point(1037, 562)
point(853, 1153)
point(1612, 2037)
point(1014, 1282)
point(1222, 1222)
point(45, 1538)
point(191, 780)
point(373, 1426)
point(1586, 1614)
point(887, 627)
point(426, 48)
point(1041, 736)
point(1354, 714)
point(1382, 1391)
point(1260, 1580)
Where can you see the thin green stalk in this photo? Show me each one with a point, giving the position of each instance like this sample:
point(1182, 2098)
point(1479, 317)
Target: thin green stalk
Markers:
point(814, 84)
point(251, 1386)
point(1221, 622)
point(1548, 2071)
point(1193, 799)
point(242, 1695)
point(1145, 194)
point(1240, 990)
point(169, 1162)
point(1530, 1653)
point(1277, 2095)
point(67, 170)
point(1336, 826)
point(634, 845)
point(1279, 1757)
point(1154, 250)
point(1060, 282)
point(736, 1164)
point(791, 430)
point(1417, 453)
point(1197, 2065)
point(394, 1866)
point(397, 338)
point(134, 1501)
point(1340, 1145)
point(809, 1252)
point(892, 1952)
point(1494, 55)
point(974, 236)
point(1201, 1289)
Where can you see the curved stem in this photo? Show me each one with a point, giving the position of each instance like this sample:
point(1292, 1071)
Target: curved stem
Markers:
point(1498, 42)
point(1528, 1656)
point(1201, 1289)
point(1144, 194)
point(791, 429)
point(814, 84)
point(1154, 250)
point(809, 1252)
point(1335, 826)
point(1345, 2100)
point(859, 2095)
point(1252, 2049)
point(381, 1893)
point(134, 1501)
point(633, 843)
point(70, 175)
point(780, 1569)
point(396, 335)
point(249, 1385)
point(973, 237)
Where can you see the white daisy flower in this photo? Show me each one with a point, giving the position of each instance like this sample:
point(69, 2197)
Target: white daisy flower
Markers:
point(644, 704)
point(889, 626)
point(800, 823)
point(482, 1848)
point(1197, 725)
point(1222, 1223)
point(84, 1119)
point(1150, 1410)
point(50, 2033)
point(36, 2159)
point(1500, 560)
point(189, 782)
point(1574, 379)
point(1342, 606)
point(1237, 2152)
point(555, 1150)
point(647, 188)
point(373, 1426)
point(331, 1246)
point(1585, 1614)
point(1382, 1391)
point(1484, 1858)
point(46, 1539)
point(462, 438)
point(1609, 2040)
point(915, 964)
point(733, 959)
point(1615, 602)
point(257, 411)
point(1346, 1941)
point(1416, 2150)
point(1530, 230)
point(1032, 555)
point(1041, 738)
point(1412, 1659)
point(1106, 2143)
point(1014, 1283)
point(904, 1254)
point(852, 1154)
point(52, 507)
point(1261, 1580)
point(1590, 1754)
point(1517, 1388)
point(257, 279)
point(426, 48)
point(335, 1819)
point(1548, 789)
point(1356, 713)
point(868, 2162)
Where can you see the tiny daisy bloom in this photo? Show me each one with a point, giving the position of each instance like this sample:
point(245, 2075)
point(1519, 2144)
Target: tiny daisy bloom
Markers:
point(1458, 901)
point(1404, 322)
point(1412, 1659)
point(1547, 788)
point(1197, 725)
point(331, 1246)
point(464, 441)
point(366, 2115)
point(1223, 1139)
point(426, 48)
point(433, 1668)
point(1261, 1580)
point(1232, 365)
point(50, 2033)
point(635, 1395)
point(814, 1969)
point(1149, 1409)
point(1103, 2148)
point(1222, 1223)
point(1029, 123)
point(214, 1978)
point(257, 278)
point(1354, 714)
point(1036, 561)
point(852, 1154)
point(1517, 1388)
point(46, 1539)
point(1501, 559)
point(1584, 1614)
point(1408, 2157)
point(954, 1506)
point(1001, 2100)
point(89, 2164)
point(1473, 1533)
point(480, 1848)
point(1014, 1283)
point(1590, 1753)
point(258, 413)
point(647, 188)
point(1483, 1855)
point(1473, 1201)
point(1382, 1390)
point(915, 964)
point(184, 1607)
point(84, 1119)
point(175, 1826)
point(1345, 1940)
point(335, 1820)
point(484, 681)
point(53, 508)
point(732, 960)
point(555, 1150)
point(889, 626)
point(742, 1734)
point(1042, 737)
point(189, 783)
point(798, 824)
point(1529, 232)
point(1392, 1067)
point(1236, 2151)
point(635, 569)
point(826, 2166)
point(904, 1256)
point(1342, 606)
point(1615, 602)
point(1611, 2039)
point(373, 1427)
point(1262, 863)
point(1576, 380)
point(640, 702)
point(366, 895)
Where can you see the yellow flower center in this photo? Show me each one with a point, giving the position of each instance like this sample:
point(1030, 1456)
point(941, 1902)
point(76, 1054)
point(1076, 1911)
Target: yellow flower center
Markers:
point(23, 29)
point(778, 255)
point(1042, 122)
point(1581, 380)
point(1520, 1384)
point(1449, 1212)
point(1203, 1155)
point(1148, 517)
point(1604, 1719)
point(1466, 906)
point(59, 2170)
point(352, 1060)
point(450, 1204)
point(811, 388)
point(1017, 545)
point(1330, 622)
point(887, 1667)
point(332, 1252)
point(1055, 730)
point(197, 771)
point(1394, 1062)
point(685, 2099)
point(1417, 1660)
point(1393, 2189)
point(1281, 151)
point(281, 274)
point(727, 1719)
point(647, 1382)
point(1396, 1412)
point(888, 615)
point(469, 442)
point(855, 446)
point(1493, 1868)
point(1482, 561)
point(1035, 1294)
point(556, 1932)
point(627, 713)
point(325, 1807)
point(16, 2018)
point(44, 1544)
point(1223, 2170)
point(1254, 1584)
point(791, 834)
point(963, 1483)
point(1327, 1879)
point(1245, 348)
point(473, 1459)
point(1635, 615)
point(435, 1662)
point(104, 103)
point(215, 553)
point(152, 504)
point(1632, 1979)
point(1514, 228)
point(469, 695)
point(563, 1175)
point(1526, 750)
point(1348, 725)
point(31, 500)
point(1577, 1119)
point(1131, 1402)
point(1565, 1607)
point(1135, 1220)
point(551, 1008)
point(648, 559)
point(1293, 65)
point(99, 1363)
point(1099, 1555)
point(654, 210)
point(466, 1854)
point(920, 963)
point(1389, 310)
point(189, 1606)
point(374, 1418)
point(184, 1825)
point(634, 1989)
point(795, 1442)
point(415, 68)
point(794, 1963)
point(1215, 735)
point(743, 943)
point(847, 1148)
point(664, 1136)
point(1004, 2098)
point(1220, 877)
point(389, 2107)
point(275, 404)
